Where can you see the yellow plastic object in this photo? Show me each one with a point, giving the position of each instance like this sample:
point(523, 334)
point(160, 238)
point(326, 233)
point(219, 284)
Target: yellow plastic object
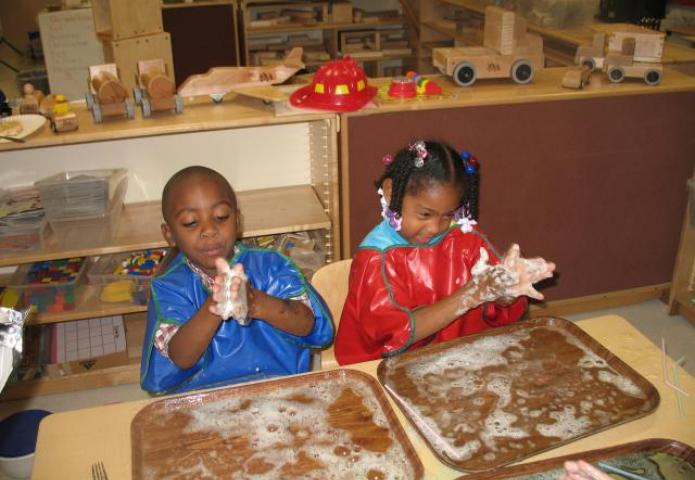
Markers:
point(61, 108)
point(117, 292)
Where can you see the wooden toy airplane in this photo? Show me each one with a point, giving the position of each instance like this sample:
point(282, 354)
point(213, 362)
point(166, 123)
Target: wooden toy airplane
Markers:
point(252, 81)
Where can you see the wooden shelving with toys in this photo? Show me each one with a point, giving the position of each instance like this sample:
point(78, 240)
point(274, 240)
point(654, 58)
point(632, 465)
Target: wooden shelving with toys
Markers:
point(327, 30)
point(267, 213)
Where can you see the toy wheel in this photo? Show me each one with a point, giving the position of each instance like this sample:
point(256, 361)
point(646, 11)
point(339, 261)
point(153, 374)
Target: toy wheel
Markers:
point(179, 103)
point(522, 71)
point(129, 109)
point(137, 95)
point(652, 77)
point(89, 98)
point(615, 74)
point(146, 108)
point(96, 112)
point(464, 74)
point(589, 62)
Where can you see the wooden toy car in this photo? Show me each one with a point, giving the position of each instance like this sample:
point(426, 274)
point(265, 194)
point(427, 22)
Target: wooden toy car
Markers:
point(625, 51)
point(31, 99)
point(155, 91)
point(219, 81)
point(57, 109)
point(507, 51)
point(107, 97)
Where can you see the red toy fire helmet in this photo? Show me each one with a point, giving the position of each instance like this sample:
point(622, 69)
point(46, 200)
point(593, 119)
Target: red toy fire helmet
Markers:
point(338, 85)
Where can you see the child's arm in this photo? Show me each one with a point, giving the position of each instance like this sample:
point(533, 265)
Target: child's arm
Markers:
point(192, 338)
point(511, 278)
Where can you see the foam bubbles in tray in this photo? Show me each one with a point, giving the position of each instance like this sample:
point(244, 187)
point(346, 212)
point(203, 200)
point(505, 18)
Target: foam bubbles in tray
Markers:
point(330, 430)
point(496, 399)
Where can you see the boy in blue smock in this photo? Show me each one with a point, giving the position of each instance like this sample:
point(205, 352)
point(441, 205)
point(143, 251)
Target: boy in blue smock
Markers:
point(187, 344)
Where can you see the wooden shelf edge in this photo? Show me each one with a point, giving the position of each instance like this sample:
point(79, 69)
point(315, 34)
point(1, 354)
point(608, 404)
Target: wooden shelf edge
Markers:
point(683, 305)
point(268, 211)
point(322, 26)
point(108, 377)
point(87, 306)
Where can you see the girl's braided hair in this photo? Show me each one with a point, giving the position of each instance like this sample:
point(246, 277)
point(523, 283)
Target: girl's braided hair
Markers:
point(442, 164)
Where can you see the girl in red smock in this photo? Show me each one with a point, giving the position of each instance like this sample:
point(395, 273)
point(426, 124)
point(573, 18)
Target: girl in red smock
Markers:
point(426, 273)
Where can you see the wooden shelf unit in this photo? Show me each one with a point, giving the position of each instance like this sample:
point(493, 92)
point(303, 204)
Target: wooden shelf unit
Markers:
point(682, 291)
point(559, 44)
point(323, 33)
point(266, 211)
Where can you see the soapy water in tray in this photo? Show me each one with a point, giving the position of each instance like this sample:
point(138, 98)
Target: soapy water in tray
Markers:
point(490, 401)
point(324, 431)
point(655, 465)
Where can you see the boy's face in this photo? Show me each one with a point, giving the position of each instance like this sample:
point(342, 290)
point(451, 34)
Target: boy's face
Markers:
point(427, 212)
point(202, 221)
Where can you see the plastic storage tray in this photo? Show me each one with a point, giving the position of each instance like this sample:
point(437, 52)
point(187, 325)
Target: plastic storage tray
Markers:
point(83, 193)
point(84, 232)
point(136, 288)
point(22, 237)
point(58, 295)
point(558, 13)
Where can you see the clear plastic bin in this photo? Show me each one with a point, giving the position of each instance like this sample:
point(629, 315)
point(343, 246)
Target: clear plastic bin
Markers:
point(125, 277)
point(82, 194)
point(22, 236)
point(87, 232)
point(59, 294)
point(558, 13)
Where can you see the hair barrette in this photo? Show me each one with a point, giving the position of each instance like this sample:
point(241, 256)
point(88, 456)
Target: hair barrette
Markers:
point(387, 159)
point(420, 151)
point(470, 163)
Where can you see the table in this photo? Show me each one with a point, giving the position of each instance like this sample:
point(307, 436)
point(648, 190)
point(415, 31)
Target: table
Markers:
point(70, 442)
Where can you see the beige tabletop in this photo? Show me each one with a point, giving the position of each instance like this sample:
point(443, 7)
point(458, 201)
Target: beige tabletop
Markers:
point(70, 442)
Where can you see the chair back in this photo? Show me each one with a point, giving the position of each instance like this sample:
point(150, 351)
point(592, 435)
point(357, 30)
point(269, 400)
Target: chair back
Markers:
point(331, 281)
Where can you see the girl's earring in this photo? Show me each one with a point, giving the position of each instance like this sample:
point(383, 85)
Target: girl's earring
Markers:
point(395, 220)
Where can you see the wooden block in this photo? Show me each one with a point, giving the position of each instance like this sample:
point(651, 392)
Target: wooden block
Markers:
point(499, 32)
point(120, 19)
point(127, 53)
point(341, 12)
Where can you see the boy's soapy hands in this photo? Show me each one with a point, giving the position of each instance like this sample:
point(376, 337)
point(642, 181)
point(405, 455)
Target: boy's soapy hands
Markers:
point(512, 277)
point(229, 292)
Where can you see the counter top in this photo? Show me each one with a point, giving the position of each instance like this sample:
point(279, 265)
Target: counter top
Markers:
point(199, 114)
point(238, 111)
point(70, 442)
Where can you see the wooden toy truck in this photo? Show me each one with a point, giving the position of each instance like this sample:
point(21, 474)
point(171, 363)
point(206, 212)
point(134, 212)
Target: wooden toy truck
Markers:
point(107, 97)
point(626, 51)
point(57, 109)
point(154, 90)
point(31, 99)
point(507, 51)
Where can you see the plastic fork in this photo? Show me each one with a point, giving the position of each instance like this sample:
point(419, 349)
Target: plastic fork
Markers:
point(99, 471)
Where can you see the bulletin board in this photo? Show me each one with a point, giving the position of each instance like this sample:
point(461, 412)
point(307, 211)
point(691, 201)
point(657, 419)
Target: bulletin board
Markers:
point(70, 46)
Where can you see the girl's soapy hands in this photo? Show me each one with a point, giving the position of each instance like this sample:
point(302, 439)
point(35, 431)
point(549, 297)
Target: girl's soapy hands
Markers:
point(512, 277)
point(229, 292)
point(528, 270)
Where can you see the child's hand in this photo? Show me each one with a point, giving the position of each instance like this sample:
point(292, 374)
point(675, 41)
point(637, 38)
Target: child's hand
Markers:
point(529, 271)
point(582, 470)
point(229, 292)
point(513, 277)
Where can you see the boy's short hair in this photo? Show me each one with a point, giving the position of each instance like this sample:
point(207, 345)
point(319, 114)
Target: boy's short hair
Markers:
point(188, 173)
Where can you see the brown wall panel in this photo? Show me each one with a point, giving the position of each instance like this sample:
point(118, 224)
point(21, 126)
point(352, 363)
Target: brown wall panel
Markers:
point(202, 37)
point(596, 185)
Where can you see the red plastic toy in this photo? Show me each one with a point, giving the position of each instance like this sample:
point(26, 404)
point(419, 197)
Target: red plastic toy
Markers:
point(338, 85)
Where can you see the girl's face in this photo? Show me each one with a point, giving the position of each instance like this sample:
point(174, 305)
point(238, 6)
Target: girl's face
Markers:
point(203, 221)
point(427, 212)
